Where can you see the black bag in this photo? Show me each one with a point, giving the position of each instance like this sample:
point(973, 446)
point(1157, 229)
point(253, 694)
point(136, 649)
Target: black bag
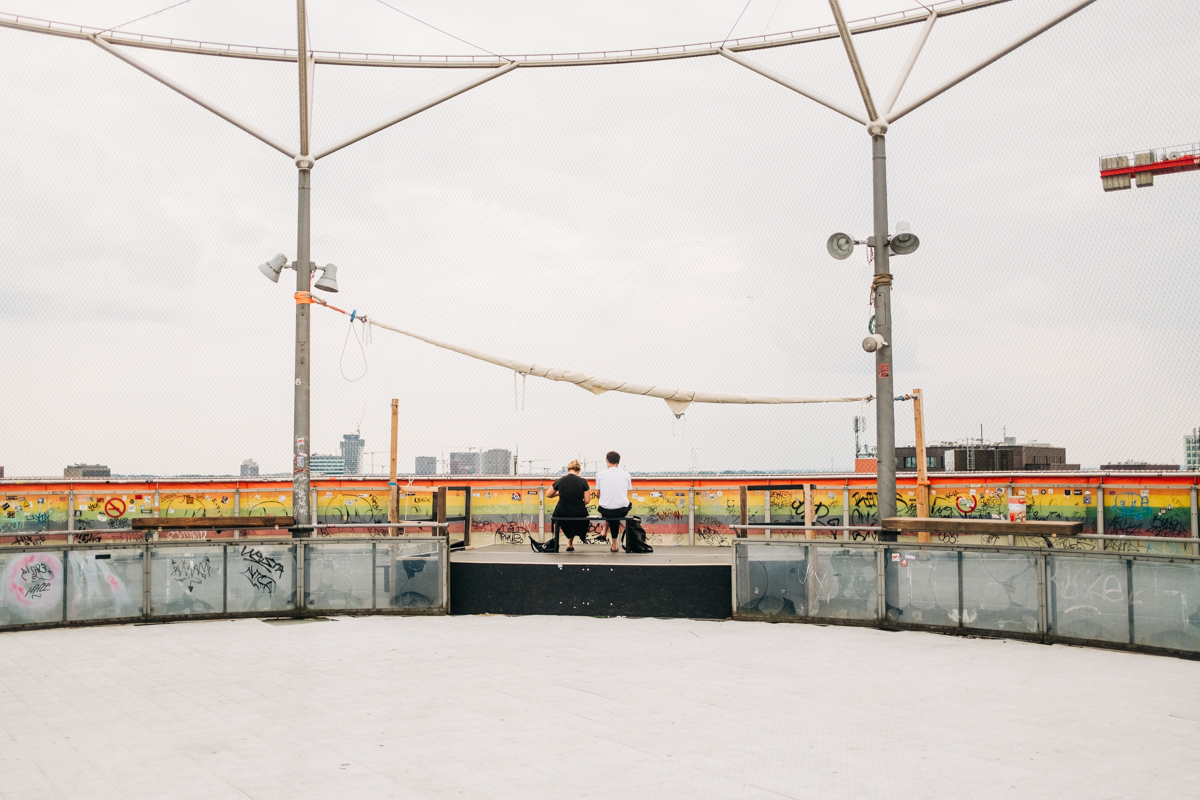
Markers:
point(548, 546)
point(635, 537)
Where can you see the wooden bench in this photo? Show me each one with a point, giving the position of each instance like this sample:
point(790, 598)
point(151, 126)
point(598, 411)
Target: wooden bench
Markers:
point(997, 527)
point(210, 523)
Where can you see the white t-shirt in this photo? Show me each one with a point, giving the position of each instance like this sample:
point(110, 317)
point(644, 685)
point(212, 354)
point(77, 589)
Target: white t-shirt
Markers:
point(613, 484)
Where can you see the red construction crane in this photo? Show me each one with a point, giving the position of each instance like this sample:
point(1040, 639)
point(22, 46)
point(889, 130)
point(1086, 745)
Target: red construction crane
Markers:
point(1117, 171)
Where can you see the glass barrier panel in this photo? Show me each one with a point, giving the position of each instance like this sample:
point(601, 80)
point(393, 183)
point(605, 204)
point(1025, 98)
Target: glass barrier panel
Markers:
point(1000, 591)
point(864, 512)
point(1166, 606)
point(716, 510)
point(346, 507)
point(338, 576)
point(664, 514)
point(1056, 504)
point(260, 577)
point(1147, 512)
point(27, 517)
point(1088, 598)
point(505, 516)
point(843, 583)
point(922, 586)
point(770, 579)
point(104, 584)
point(408, 575)
point(32, 588)
point(187, 580)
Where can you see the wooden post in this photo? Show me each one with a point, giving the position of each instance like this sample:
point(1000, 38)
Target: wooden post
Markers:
point(922, 477)
point(393, 488)
point(742, 499)
point(808, 509)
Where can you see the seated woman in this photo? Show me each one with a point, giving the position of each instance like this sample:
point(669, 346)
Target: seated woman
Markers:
point(571, 491)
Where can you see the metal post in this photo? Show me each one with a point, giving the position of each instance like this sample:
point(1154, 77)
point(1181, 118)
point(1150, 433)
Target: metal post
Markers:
point(1100, 513)
point(846, 513)
point(767, 512)
point(300, 420)
point(71, 516)
point(885, 418)
point(541, 511)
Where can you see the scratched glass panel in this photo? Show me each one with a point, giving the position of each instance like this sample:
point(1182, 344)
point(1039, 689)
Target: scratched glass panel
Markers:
point(1000, 591)
point(771, 580)
point(260, 577)
point(31, 590)
point(1088, 598)
point(1166, 609)
point(842, 583)
point(338, 576)
point(186, 580)
point(922, 587)
point(408, 575)
point(104, 584)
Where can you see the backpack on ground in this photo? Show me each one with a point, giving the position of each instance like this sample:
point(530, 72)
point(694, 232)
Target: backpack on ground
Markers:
point(548, 546)
point(635, 537)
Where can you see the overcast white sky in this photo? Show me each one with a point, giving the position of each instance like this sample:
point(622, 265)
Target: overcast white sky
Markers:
point(661, 223)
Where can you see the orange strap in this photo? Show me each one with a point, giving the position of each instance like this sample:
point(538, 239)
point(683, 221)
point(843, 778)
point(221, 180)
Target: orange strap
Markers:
point(306, 298)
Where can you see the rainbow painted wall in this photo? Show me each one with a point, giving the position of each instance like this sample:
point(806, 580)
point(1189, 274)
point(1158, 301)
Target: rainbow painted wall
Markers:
point(675, 510)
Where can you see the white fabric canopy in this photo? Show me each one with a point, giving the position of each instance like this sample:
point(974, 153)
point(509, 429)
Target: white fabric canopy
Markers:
point(677, 399)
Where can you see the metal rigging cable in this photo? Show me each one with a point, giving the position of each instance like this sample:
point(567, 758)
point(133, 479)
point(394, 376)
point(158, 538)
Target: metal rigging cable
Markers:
point(139, 19)
point(439, 30)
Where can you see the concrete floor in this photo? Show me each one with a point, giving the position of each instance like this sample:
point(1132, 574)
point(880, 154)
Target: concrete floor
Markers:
point(566, 707)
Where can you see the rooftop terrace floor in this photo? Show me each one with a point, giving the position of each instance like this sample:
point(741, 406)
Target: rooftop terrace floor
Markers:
point(565, 707)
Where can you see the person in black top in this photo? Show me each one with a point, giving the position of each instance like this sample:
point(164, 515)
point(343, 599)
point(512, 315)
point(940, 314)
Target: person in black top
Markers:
point(571, 491)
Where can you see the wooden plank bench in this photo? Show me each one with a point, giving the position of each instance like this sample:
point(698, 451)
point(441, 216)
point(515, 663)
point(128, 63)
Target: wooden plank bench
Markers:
point(210, 523)
point(997, 527)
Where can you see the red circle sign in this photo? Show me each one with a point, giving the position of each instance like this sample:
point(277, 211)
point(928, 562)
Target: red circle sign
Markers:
point(966, 504)
point(114, 507)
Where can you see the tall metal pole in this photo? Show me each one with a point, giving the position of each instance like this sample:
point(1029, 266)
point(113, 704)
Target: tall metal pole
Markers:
point(301, 439)
point(885, 418)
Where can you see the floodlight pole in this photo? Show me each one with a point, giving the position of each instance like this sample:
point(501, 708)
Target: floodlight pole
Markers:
point(881, 285)
point(301, 416)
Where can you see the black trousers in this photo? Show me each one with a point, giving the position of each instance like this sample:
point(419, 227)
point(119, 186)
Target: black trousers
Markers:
point(614, 528)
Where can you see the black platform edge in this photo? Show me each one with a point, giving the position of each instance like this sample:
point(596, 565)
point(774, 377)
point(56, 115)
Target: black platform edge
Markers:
point(596, 590)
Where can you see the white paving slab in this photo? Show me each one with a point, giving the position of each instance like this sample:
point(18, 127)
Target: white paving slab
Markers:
point(570, 707)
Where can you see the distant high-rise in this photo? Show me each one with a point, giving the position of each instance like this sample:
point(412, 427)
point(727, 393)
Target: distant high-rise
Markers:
point(426, 465)
point(87, 471)
point(464, 463)
point(497, 462)
point(249, 468)
point(320, 464)
point(1191, 450)
point(352, 447)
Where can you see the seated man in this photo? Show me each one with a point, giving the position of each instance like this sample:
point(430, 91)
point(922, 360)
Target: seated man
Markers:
point(614, 485)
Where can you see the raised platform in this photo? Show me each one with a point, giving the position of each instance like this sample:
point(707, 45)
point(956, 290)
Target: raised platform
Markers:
point(694, 582)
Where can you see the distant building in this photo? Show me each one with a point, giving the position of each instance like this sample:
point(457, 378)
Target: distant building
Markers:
point(1191, 451)
point(352, 448)
point(426, 465)
point(249, 468)
point(87, 471)
point(497, 462)
point(465, 463)
point(988, 457)
point(320, 464)
point(1139, 466)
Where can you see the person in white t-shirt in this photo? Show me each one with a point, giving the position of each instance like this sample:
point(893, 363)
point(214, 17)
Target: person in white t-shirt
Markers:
point(614, 485)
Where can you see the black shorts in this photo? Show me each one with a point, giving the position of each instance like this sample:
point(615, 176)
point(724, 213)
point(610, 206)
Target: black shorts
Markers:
point(614, 528)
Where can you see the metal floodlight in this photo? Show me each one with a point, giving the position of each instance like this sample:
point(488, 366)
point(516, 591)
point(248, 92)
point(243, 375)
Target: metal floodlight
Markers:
point(328, 282)
point(840, 246)
point(905, 241)
point(273, 267)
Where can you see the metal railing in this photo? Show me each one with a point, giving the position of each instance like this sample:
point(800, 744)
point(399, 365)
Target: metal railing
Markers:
point(1131, 601)
point(50, 586)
